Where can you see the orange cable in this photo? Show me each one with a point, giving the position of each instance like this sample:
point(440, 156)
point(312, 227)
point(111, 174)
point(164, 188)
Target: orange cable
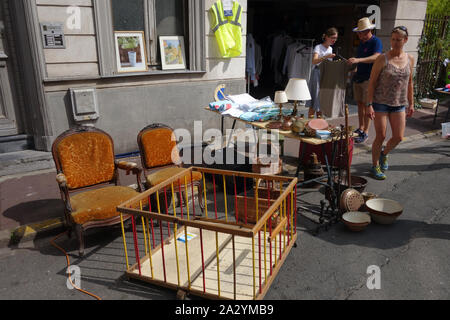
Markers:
point(68, 265)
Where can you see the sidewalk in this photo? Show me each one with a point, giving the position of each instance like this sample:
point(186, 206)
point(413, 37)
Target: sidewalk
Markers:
point(30, 204)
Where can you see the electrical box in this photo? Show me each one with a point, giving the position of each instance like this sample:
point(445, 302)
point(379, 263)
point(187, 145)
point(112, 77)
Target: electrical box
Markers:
point(53, 35)
point(84, 104)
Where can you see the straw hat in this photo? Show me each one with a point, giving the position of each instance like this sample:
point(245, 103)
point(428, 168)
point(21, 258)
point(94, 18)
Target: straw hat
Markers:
point(363, 25)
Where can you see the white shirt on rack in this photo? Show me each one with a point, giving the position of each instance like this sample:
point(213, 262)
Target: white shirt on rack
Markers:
point(297, 63)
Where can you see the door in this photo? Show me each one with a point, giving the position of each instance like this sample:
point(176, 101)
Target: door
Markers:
point(8, 123)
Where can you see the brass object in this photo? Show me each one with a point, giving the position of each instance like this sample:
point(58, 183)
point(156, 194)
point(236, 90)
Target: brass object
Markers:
point(274, 125)
point(368, 196)
point(335, 132)
point(294, 112)
point(280, 116)
point(313, 169)
point(287, 123)
point(351, 200)
point(309, 132)
point(299, 124)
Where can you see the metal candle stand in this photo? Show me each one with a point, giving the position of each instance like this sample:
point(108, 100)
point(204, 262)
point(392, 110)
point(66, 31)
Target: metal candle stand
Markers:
point(329, 214)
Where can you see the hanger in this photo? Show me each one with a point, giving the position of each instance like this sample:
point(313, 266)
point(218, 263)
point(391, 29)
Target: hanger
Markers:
point(301, 48)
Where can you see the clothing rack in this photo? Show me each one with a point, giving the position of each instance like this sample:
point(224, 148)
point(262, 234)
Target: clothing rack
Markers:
point(309, 43)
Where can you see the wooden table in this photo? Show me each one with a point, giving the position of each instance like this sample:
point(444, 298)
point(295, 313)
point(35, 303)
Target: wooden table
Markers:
point(289, 134)
point(445, 93)
point(263, 124)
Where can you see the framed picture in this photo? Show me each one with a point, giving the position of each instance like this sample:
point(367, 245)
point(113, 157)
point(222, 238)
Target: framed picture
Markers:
point(130, 51)
point(172, 52)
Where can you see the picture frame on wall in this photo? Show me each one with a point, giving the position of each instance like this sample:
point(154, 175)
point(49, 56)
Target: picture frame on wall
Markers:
point(131, 54)
point(172, 52)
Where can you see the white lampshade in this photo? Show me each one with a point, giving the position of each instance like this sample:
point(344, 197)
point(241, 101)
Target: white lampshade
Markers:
point(280, 97)
point(297, 90)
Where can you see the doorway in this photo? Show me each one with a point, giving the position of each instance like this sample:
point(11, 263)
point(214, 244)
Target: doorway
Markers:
point(298, 19)
point(9, 114)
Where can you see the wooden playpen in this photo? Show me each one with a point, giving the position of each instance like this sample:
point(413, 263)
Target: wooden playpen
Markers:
point(231, 249)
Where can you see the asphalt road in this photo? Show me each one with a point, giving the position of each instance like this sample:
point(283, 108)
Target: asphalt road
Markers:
point(412, 255)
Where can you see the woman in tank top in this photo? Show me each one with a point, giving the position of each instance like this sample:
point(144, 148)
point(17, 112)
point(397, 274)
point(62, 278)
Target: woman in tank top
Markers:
point(391, 97)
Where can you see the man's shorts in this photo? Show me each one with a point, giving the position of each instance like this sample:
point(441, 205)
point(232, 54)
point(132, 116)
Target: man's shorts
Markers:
point(360, 91)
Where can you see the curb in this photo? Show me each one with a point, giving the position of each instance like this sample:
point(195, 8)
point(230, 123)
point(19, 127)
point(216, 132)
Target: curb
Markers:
point(29, 232)
point(358, 149)
point(37, 230)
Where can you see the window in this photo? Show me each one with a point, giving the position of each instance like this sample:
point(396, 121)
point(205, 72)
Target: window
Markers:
point(128, 15)
point(155, 18)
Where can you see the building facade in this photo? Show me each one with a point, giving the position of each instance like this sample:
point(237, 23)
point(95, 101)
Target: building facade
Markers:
point(59, 56)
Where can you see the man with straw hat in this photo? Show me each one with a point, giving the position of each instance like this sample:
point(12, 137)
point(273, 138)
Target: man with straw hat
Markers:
point(370, 47)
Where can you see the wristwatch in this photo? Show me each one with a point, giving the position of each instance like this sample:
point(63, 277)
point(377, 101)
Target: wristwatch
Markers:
point(370, 104)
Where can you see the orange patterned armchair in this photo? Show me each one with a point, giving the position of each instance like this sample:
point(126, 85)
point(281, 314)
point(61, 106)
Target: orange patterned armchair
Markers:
point(84, 159)
point(159, 155)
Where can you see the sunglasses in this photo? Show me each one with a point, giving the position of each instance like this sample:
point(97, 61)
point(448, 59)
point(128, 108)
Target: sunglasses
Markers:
point(402, 28)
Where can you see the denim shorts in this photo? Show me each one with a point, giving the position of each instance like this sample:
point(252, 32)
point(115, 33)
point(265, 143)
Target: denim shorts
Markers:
point(378, 107)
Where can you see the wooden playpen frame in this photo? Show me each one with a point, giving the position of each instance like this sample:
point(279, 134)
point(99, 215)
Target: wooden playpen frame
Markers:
point(199, 262)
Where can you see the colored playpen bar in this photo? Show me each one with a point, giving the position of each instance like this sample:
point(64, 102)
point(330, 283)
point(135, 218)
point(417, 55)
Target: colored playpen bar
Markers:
point(234, 256)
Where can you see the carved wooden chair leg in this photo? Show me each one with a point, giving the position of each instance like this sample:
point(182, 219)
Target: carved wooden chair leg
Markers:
point(200, 197)
point(80, 235)
point(69, 227)
point(69, 232)
point(177, 199)
point(183, 198)
point(128, 225)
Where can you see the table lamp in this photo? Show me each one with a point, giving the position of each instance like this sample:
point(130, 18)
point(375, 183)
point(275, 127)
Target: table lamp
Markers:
point(297, 90)
point(280, 98)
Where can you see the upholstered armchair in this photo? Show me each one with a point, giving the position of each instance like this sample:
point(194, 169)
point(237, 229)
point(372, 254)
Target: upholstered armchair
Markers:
point(88, 179)
point(160, 158)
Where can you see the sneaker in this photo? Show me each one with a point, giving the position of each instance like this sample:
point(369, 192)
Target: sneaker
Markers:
point(383, 161)
point(358, 131)
point(377, 173)
point(362, 138)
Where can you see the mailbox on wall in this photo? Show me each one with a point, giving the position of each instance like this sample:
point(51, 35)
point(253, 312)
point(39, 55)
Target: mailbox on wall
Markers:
point(53, 35)
point(84, 104)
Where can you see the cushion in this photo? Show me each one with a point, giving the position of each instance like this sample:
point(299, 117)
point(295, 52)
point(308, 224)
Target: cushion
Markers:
point(158, 148)
point(164, 174)
point(87, 159)
point(99, 204)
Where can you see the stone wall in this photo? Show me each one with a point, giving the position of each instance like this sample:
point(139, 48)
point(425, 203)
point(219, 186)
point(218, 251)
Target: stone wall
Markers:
point(408, 13)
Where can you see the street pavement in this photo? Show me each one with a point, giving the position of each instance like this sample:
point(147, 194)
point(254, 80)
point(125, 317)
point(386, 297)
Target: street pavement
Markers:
point(412, 254)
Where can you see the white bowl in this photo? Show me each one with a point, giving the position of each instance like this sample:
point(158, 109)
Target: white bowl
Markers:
point(355, 220)
point(384, 211)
